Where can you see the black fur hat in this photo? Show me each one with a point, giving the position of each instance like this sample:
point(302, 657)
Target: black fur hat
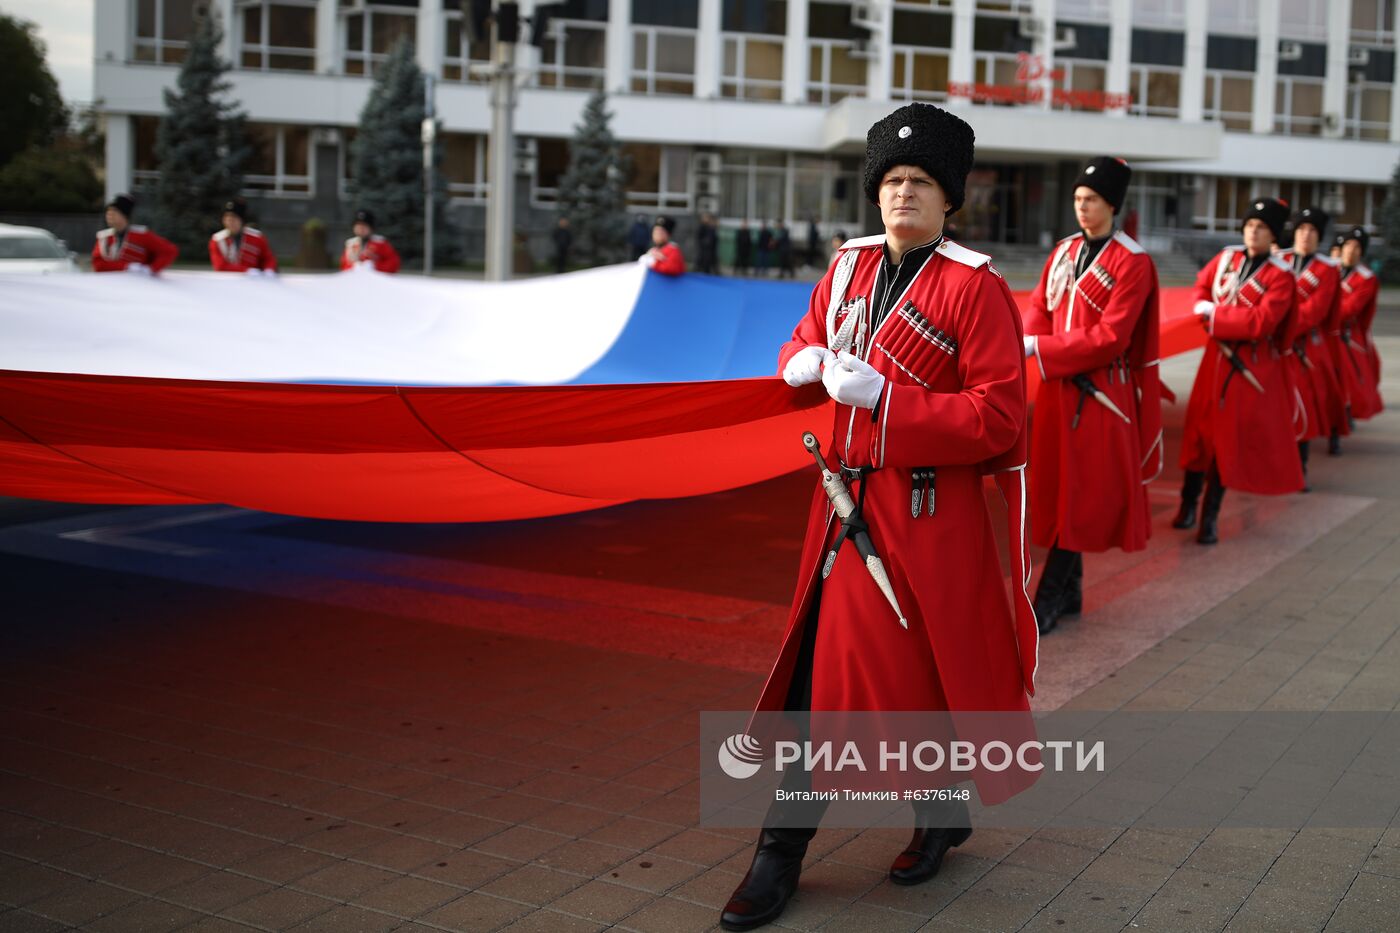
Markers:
point(363, 216)
point(667, 222)
point(923, 135)
point(1315, 216)
point(124, 203)
point(237, 207)
point(1360, 235)
point(1272, 211)
point(1109, 177)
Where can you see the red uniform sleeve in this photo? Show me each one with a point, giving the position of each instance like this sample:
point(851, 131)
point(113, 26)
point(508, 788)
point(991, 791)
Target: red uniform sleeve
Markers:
point(1354, 304)
point(386, 258)
point(101, 264)
point(1315, 310)
point(811, 330)
point(345, 262)
point(217, 260)
point(269, 258)
point(1205, 280)
point(1038, 318)
point(917, 426)
point(1087, 348)
point(671, 261)
point(162, 251)
point(1242, 322)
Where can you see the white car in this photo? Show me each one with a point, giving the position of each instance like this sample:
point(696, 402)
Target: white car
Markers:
point(33, 251)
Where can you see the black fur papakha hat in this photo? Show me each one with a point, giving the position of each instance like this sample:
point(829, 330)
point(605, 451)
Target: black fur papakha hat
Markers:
point(666, 223)
point(238, 207)
point(1358, 234)
point(363, 216)
point(922, 135)
point(124, 203)
point(1109, 177)
point(1315, 216)
point(1272, 211)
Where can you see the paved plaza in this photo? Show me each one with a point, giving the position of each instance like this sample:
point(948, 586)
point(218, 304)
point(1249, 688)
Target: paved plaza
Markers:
point(215, 719)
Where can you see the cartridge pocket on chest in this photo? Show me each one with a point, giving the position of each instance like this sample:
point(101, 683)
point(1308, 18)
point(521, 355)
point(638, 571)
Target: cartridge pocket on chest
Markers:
point(917, 346)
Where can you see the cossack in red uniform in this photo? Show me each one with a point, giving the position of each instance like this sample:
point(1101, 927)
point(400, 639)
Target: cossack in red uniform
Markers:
point(1309, 359)
point(132, 247)
point(1240, 418)
point(664, 257)
point(373, 249)
point(1089, 467)
point(241, 252)
point(1358, 360)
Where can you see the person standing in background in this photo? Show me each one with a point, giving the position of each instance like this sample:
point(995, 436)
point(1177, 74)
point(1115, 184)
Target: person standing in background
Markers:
point(238, 247)
point(127, 247)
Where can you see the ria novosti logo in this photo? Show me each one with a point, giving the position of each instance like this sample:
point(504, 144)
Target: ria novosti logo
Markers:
point(740, 756)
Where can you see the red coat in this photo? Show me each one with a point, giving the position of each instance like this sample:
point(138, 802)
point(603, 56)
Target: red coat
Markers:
point(1310, 361)
point(111, 254)
point(1088, 483)
point(960, 408)
point(376, 250)
point(1360, 372)
point(1248, 434)
point(670, 262)
point(252, 251)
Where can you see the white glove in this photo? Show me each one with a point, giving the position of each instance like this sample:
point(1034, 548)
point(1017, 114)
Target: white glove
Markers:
point(806, 365)
point(852, 381)
point(1203, 307)
point(139, 268)
point(253, 272)
point(1030, 345)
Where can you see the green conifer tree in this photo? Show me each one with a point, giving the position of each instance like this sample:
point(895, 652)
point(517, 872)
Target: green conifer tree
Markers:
point(1389, 230)
point(592, 192)
point(388, 162)
point(201, 145)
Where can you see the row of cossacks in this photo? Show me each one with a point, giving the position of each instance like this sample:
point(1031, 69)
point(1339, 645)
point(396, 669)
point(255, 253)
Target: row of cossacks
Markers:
point(1289, 358)
point(237, 247)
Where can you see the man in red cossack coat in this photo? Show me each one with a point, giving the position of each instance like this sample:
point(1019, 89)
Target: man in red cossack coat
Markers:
point(366, 246)
point(128, 247)
point(918, 342)
point(664, 256)
point(1358, 360)
point(1096, 437)
point(238, 247)
point(1239, 430)
point(1321, 409)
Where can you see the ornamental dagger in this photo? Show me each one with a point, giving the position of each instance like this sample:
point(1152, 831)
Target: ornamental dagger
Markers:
point(1238, 364)
point(1086, 385)
point(845, 506)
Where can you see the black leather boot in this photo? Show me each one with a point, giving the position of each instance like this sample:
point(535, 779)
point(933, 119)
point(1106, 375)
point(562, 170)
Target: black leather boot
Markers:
point(771, 880)
point(938, 827)
point(1334, 443)
point(1050, 592)
point(1303, 459)
point(1191, 484)
point(1074, 587)
point(1210, 510)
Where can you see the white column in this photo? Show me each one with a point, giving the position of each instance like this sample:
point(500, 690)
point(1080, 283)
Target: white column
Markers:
point(960, 61)
point(1044, 46)
point(327, 33)
point(795, 53)
point(1266, 68)
point(1120, 51)
point(879, 67)
point(429, 41)
point(226, 23)
point(708, 49)
point(1334, 88)
point(119, 151)
point(1193, 72)
point(112, 30)
point(619, 46)
point(528, 56)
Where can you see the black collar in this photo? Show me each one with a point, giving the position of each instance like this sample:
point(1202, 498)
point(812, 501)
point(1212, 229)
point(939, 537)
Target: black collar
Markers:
point(892, 280)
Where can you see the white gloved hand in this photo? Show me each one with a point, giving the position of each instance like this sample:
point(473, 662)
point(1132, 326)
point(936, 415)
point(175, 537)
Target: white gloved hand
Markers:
point(139, 268)
point(1203, 307)
point(852, 381)
point(806, 365)
point(1030, 345)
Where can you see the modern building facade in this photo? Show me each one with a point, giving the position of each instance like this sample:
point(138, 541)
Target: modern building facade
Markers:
point(757, 111)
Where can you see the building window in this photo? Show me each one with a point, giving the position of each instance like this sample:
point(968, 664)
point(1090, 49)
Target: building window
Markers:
point(464, 166)
point(371, 34)
point(1155, 92)
point(1222, 202)
point(660, 176)
point(754, 186)
point(663, 60)
point(458, 55)
point(280, 165)
point(163, 29)
point(1160, 14)
point(574, 55)
point(1229, 98)
point(1373, 22)
point(145, 170)
point(1368, 110)
point(1298, 106)
point(1303, 19)
point(278, 36)
point(919, 74)
point(826, 189)
point(833, 71)
point(753, 68)
point(1084, 10)
point(763, 17)
point(1086, 81)
point(1233, 17)
point(551, 158)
